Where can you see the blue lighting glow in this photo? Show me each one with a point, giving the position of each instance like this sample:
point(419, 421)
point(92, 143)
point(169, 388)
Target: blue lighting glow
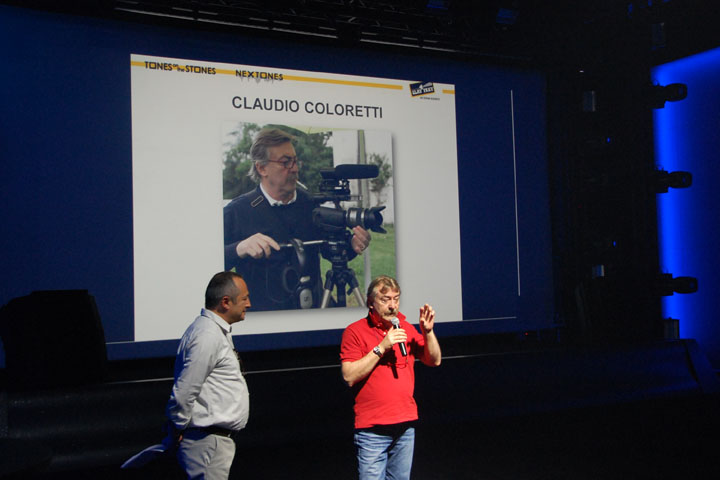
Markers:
point(687, 137)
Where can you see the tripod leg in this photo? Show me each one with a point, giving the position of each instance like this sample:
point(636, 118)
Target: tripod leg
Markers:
point(340, 294)
point(325, 298)
point(327, 288)
point(358, 296)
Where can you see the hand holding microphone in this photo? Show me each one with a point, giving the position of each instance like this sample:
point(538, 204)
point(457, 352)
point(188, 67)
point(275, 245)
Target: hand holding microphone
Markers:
point(396, 326)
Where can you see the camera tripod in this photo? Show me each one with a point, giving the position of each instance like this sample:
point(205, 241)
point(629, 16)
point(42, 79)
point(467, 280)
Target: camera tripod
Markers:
point(339, 276)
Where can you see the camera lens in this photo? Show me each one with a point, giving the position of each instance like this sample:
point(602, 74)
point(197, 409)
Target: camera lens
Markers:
point(369, 219)
point(334, 219)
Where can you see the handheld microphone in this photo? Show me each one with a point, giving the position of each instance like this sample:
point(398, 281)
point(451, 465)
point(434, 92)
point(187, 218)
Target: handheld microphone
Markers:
point(396, 324)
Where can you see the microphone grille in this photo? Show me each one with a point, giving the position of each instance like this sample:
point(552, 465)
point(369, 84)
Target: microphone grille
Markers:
point(395, 322)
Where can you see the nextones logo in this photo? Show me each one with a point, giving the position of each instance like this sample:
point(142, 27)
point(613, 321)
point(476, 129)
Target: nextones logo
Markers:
point(421, 88)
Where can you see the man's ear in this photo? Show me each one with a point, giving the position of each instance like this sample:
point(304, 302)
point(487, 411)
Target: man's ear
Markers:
point(260, 169)
point(224, 302)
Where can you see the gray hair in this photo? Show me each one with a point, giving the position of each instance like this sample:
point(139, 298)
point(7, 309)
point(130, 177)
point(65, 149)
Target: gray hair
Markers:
point(221, 284)
point(266, 138)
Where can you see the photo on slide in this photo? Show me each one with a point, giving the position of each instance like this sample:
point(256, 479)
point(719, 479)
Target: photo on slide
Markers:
point(301, 255)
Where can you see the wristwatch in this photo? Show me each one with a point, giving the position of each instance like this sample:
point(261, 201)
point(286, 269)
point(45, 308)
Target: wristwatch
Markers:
point(377, 351)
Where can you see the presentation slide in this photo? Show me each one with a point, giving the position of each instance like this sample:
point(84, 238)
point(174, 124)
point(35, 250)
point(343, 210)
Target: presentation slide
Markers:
point(187, 113)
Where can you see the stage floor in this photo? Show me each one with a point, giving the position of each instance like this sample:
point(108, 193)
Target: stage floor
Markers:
point(663, 439)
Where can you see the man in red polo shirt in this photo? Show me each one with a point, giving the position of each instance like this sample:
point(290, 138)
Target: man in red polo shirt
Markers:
point(378, 361)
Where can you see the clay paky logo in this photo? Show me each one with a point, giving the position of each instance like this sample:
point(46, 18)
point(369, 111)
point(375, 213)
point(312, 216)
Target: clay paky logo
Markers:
point(421, 88)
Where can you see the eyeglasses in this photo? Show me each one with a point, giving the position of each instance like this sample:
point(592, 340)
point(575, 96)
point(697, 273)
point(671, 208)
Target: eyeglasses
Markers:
point(288, 162)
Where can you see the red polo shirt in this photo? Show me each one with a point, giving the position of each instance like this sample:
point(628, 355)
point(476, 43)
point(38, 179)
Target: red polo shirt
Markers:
point(385, 397)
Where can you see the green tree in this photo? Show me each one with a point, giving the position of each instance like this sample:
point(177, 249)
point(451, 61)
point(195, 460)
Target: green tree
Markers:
point(378, 184)
point(237, 161)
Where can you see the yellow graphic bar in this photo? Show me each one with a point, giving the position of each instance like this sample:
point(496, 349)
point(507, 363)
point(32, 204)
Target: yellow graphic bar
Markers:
point(342, 82)
point(297, 78)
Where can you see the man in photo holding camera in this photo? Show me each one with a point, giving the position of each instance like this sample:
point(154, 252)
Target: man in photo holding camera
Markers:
point(378, 361)
point(258, 223)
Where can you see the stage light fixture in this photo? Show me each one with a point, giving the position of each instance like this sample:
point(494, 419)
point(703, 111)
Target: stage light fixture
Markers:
point(669, 93)
point(658, 35)
point(589, 101)
point(671, 328)
point(667, 285)
point(663, 180)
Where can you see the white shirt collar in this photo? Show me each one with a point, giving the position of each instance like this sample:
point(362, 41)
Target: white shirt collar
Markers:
point(226, 327)
point(274, 202)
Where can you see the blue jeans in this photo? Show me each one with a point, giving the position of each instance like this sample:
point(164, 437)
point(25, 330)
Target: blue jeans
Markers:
point(385, 452)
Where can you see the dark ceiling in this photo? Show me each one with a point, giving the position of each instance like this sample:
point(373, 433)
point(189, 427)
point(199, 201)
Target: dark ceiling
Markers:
point(516, 31)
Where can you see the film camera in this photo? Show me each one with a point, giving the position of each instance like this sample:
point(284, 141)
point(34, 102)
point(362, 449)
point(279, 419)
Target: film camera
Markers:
point(335, 188)
point(335, 222)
